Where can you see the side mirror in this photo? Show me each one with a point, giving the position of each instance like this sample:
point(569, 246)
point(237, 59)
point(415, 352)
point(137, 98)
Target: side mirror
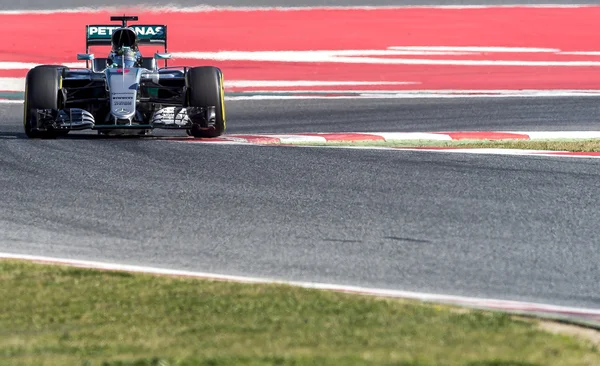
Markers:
point(162, 56)
point(85, 56)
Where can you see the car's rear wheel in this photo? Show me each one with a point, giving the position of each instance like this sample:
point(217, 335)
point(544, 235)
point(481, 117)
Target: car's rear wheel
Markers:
point(42, 85)
point(205, 88)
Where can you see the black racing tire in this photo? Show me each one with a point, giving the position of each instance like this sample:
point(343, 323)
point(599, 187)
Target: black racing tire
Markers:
point(42, 85)
point(205, 88)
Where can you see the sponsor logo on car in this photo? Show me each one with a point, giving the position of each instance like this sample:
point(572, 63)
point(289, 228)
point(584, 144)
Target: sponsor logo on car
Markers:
point(143, 31)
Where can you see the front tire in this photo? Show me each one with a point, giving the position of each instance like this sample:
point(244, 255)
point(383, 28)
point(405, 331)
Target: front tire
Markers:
point(42, 85)
point(205, 89)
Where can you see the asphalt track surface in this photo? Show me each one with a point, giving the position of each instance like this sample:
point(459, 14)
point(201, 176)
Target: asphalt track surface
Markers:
point(520, 228)
point(69, 4)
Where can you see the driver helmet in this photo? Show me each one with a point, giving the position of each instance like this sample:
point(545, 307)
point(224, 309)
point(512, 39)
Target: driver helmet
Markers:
point(124, 57)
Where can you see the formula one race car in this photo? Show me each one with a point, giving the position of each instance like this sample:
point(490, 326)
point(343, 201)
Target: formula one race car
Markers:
point(124, 90)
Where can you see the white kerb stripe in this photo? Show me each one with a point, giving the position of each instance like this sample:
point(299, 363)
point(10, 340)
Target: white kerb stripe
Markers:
point(296, 139)
point(396, 136)
point(544, 135)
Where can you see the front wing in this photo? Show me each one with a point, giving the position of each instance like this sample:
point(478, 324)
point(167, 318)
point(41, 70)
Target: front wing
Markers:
point(73, 119)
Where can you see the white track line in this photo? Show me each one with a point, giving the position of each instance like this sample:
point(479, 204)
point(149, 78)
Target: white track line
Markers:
point(581, 53)
point(12, 84)
point(306, 83)
point(474, 49)
point(356, 57)
point(14, 65)
point(506, 305)
point(433, 94)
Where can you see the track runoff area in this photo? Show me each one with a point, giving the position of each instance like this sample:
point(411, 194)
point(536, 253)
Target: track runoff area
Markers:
point(351, 52)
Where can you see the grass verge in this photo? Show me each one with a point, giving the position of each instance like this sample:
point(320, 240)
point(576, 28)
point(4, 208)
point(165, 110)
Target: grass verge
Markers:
point(591, 145)
point(55, 315)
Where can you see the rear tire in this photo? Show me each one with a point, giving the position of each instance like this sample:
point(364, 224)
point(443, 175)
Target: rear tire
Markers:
point(42, 85)
point(205, 88)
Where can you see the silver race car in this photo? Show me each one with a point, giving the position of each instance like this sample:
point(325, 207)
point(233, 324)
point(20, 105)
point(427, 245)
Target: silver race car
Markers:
point(125, 90)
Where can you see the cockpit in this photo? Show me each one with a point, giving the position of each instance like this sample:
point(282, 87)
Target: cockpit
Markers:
point(124, 51)
point(124, 58)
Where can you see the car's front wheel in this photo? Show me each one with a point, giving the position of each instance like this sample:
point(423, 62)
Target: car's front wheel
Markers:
point(205, 88)
point(42, 85)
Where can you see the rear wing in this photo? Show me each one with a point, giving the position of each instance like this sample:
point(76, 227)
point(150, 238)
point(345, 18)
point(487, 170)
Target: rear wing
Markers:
point(100, 35)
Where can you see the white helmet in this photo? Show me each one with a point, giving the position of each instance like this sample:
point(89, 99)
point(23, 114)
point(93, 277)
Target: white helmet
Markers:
point(124, 57)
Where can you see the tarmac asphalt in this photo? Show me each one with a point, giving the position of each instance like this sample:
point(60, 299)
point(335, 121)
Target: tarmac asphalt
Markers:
point(520, 228)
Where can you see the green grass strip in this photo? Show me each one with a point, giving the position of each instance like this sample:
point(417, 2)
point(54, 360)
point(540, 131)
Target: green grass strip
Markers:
point(578, 145)
point(55, 315)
